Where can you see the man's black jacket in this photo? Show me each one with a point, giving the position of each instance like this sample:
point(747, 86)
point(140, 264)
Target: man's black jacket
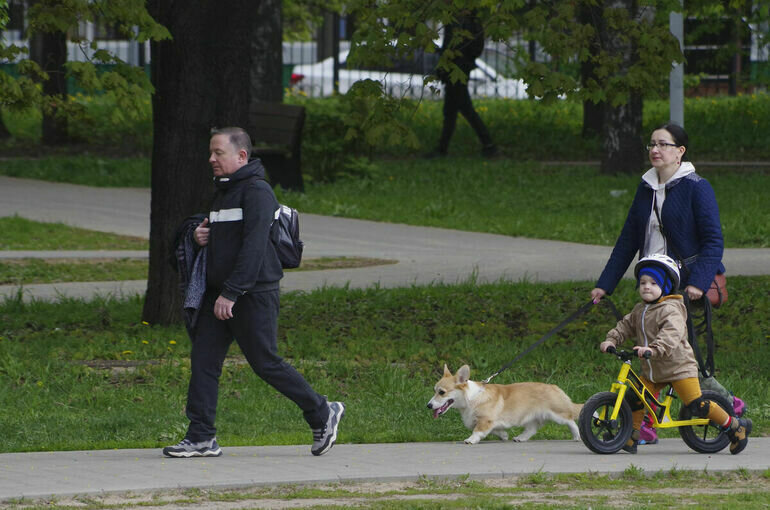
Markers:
point(241, 257)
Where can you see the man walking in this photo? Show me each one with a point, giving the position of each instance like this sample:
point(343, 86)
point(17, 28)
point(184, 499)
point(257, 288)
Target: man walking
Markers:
point(241, 301)
point(457, 99)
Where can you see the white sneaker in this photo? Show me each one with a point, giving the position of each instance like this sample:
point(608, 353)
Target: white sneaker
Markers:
point(324, 438)
point(185, 449)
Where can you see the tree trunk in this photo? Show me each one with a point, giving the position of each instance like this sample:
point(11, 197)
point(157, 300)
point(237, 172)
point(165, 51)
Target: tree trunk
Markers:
point(622, 137)
point(267, 54)
point(4, 133)
point(622, 129)
point(202, 80)
point(593, 113)
point(49, 50)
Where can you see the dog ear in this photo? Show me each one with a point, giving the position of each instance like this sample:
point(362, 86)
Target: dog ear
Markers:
point(447, 373)
point(463, 374)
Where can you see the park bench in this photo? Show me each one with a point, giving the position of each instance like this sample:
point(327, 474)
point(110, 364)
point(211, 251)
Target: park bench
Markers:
point(276, 133)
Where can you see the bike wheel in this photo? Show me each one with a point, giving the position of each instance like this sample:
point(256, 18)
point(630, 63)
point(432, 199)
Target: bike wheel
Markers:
point(708, 438)
point(598, 432)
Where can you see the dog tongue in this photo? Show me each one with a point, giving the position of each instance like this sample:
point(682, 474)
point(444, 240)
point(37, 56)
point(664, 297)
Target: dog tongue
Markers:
point(441, 410)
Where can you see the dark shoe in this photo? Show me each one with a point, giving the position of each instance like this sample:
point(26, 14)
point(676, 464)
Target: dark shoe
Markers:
point(186, 449)
point(630, 446)
point(324, 438)
point(739, 431)
point(632, 442)
point(438, 153)
point(489, 151)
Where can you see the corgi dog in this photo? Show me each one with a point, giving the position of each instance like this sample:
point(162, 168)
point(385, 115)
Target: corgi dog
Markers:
point(494, 408)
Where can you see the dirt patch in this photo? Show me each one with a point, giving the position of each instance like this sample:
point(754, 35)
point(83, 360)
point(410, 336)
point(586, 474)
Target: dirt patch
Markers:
point(318, 264)
point(513, 491)
point(308, 264)
point(68, 260)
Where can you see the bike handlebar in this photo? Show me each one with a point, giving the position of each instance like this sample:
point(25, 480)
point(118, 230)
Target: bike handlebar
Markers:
point(626, 355)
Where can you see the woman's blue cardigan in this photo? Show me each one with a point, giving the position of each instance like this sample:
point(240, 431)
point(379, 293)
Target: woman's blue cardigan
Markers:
point(690, 216)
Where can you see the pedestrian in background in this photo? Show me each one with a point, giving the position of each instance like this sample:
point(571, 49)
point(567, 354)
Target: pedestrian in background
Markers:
point(457, 98)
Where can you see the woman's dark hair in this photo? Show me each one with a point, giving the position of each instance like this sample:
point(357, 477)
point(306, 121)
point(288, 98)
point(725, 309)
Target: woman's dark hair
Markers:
point(680, 137)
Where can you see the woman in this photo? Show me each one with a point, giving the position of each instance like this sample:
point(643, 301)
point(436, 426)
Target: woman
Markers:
point(687, 207)
point(672, 193)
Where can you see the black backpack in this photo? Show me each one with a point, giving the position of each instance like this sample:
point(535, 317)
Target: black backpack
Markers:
point(284, 233)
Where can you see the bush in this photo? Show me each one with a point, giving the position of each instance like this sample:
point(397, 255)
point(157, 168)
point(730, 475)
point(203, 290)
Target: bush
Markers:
point(95, 120)
point(342, 132)
point(106, 123)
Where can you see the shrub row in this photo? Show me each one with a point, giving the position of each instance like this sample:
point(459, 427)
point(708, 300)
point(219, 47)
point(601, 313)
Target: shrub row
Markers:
point(720, 128)
point(343, 132)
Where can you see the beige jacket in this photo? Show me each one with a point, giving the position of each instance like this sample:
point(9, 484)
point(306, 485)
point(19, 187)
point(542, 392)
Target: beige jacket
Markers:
point(661, 326)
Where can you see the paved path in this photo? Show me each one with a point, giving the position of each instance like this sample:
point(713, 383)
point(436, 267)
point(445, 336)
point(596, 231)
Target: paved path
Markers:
point(424, 255)
point(95, 472)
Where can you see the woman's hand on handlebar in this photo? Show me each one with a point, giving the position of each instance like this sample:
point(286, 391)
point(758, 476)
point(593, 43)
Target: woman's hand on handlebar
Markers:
point(607, 346)
point(693, 292)
point(597, 294)
point(643, 352)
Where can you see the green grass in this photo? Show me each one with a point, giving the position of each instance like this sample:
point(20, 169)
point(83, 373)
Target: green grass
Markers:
point(29, 271)
point(83, 169)
point(566, 203)
point(23, 234)
point(93, 376)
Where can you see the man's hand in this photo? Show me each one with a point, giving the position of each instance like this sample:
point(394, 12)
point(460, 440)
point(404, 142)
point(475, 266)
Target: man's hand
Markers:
point(223, 308)
point(641, 350)
point(694, 293)
point(201, 234)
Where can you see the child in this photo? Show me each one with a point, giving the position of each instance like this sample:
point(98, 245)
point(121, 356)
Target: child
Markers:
point(659, 326)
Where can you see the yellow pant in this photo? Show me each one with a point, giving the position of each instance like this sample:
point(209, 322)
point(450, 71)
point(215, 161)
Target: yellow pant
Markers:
point(687, 390)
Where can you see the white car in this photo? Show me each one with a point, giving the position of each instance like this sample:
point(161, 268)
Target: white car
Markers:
point(404, 79)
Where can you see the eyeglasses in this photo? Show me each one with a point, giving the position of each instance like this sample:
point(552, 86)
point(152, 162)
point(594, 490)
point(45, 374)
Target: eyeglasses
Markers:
point(661, 145)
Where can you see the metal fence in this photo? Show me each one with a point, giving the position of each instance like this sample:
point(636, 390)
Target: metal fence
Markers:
point(307, 75)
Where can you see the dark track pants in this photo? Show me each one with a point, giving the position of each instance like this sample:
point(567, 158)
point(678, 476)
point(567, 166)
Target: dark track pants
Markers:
point(458, 99)
point(255, 327)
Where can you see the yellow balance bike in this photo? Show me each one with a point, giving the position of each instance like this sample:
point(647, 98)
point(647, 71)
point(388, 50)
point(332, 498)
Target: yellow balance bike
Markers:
point(605, 421)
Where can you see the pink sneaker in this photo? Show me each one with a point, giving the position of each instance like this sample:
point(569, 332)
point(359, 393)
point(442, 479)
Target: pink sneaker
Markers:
point(647, 434)
point(738, 406)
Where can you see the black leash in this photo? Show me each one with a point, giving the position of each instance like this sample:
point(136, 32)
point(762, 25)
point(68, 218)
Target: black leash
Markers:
point(577, 313)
